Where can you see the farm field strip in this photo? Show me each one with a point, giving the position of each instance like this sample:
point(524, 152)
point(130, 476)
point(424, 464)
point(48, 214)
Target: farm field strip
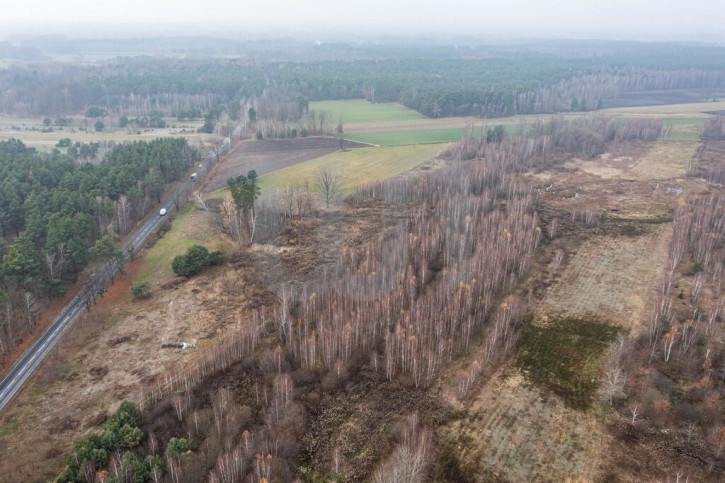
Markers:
point(698, 109)
point(400, 138)
point(357, 166)
point(30, 132)
point(267, 156)
point(420, 136)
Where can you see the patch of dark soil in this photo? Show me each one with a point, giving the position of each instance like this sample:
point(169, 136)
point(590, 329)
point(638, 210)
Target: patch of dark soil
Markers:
point(97, 420)
point(174, 282)
point(98, 372)
point(119, 340)
point(66, 424)
point(644, 453)
point(360, 421)
point(612, 225)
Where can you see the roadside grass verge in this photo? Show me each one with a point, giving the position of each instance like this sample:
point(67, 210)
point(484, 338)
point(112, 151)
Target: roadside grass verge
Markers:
point(189, 227)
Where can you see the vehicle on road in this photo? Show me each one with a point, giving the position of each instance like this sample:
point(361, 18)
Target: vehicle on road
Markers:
point(162, 211)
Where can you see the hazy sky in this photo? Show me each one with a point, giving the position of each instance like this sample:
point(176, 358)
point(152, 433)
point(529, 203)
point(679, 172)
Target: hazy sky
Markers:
point(657, 19)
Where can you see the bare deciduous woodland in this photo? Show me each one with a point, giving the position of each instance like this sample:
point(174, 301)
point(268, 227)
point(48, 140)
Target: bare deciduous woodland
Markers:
point(541, 300)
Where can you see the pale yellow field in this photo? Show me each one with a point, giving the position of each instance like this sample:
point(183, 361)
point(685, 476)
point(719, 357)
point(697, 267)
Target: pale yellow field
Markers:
point(664, 160)
point(357, 166)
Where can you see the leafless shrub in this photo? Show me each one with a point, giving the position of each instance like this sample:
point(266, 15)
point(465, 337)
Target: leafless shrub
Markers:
point(713, 128)
point(614, 378)
point(410, 460)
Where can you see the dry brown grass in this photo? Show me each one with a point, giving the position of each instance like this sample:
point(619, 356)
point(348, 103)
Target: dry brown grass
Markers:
point(117, 351)
point(516, 432)
point(611, 278)
point(96, 369)
point(663, 161)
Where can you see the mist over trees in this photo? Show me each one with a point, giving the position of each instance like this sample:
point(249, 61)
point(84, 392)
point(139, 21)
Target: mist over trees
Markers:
point(487, 84)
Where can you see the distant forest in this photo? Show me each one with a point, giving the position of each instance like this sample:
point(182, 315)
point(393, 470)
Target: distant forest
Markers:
point(438, 81)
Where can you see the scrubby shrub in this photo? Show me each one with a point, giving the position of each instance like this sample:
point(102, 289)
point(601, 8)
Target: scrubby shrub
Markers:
point(177, 446)
point(119, 431)
point(195, 260)
point(141, 289)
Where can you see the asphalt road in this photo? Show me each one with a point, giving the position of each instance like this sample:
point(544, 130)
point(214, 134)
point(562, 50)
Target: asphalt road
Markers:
point(29, 362)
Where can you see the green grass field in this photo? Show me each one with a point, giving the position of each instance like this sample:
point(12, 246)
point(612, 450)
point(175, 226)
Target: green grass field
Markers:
point(186, 231)
point(357, 166)
point(684, 129)
point(420, 136)
point(399, 138)
point(358, 110)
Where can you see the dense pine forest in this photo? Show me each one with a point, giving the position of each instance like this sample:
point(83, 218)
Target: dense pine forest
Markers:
point(56, 216)
point(486, 81)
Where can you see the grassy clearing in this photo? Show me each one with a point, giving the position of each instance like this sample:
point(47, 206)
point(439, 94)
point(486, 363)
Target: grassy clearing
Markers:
point(684, 129)
point(515, 431)
point(358, 110)
point(666, 159)
point(357, 166)
point(190, 227)
point(565, 356)
point(599, 277)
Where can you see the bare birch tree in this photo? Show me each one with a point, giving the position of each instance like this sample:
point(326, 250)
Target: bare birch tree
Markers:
point(329, 184)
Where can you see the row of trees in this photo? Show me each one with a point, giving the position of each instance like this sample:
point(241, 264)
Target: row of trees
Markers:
point(587, 137)
point(684, 337)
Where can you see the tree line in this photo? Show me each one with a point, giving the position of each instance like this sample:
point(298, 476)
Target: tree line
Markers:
point(502, 85)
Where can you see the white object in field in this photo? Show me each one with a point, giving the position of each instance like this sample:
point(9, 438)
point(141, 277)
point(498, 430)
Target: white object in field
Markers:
point(162, 212)
point(193, 175)
point(201, 166)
